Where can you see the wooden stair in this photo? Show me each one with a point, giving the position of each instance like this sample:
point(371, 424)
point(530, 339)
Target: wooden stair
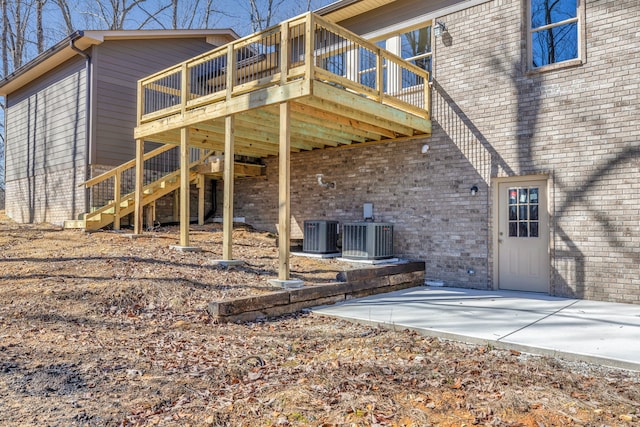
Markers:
point(125, 204)
point(105, 216)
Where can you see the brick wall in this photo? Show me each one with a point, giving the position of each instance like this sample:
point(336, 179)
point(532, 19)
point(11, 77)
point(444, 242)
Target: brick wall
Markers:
point(53, 197)
point(578, 125)
point(425, 196)
point(493, 119)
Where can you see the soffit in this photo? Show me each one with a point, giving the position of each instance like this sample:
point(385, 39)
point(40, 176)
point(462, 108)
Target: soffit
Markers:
point(343, 10)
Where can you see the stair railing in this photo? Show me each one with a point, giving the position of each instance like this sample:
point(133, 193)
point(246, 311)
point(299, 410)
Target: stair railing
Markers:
point(111, 189)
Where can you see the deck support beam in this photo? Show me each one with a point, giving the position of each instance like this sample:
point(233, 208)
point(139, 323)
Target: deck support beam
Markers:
point(185, 214)
point(117, 183)
point(284, 201)
point(229, 163)
point(202, 183)
point(138, 216)
point(176, 205)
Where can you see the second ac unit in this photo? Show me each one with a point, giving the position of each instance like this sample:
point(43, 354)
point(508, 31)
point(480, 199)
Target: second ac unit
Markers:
point(367, 240)
point(320, 237)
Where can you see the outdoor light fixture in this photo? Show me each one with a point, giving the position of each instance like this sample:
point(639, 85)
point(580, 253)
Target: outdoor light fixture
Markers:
point(474, 190)
point(322, 184)
point(439, 29)
point(425, 148)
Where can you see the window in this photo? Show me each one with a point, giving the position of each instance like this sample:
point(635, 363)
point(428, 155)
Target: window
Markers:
point(555, 32)
point(415, 46)
point(523, 213)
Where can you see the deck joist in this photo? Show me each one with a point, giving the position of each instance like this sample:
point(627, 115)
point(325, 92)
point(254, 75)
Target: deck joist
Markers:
point(323, 116)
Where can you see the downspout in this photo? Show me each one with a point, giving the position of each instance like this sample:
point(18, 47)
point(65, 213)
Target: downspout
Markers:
point(88, 114)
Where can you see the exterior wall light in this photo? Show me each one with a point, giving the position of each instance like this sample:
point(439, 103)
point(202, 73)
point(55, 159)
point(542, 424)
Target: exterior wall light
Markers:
point(474, 190)
point(322, 184)
point(439, 29)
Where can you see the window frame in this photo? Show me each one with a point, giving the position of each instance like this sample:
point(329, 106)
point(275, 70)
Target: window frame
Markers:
point(393, 42)
point(579, 19)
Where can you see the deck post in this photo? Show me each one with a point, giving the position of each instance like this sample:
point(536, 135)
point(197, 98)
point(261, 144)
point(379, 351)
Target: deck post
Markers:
point(284, 52)
point(308, 47)
point(138, 216)
point(176, 205)
point(117, 182)
point(284, 181)
point(201, 188)
point(185, 215)
point(227, 218)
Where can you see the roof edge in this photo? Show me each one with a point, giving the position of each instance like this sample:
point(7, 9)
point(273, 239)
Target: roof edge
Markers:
point(43, 57)
point(62, 51)
point(332, 7)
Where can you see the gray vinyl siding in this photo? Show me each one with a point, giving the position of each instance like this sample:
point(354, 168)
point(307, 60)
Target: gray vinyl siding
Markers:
point(46, 123)
point(118, 65)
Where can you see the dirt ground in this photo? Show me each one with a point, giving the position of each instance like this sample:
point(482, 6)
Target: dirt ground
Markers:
point(102, 330)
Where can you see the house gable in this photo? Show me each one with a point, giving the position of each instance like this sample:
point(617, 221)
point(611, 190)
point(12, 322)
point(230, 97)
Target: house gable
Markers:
point(118, 64)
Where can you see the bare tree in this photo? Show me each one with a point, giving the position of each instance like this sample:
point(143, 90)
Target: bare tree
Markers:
point(65, 11)
point(39, 30)
point(119, 14)
point(194, 14)
point(5, 37)
point(17, 26)
point(262, 13)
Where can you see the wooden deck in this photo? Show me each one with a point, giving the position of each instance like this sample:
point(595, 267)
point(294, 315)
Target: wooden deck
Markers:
point(305, 84)
point(342, 90)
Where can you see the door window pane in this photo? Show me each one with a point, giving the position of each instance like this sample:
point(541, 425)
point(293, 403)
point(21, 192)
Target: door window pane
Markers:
point(524, 195)
point(523, 212)
point(523, 229)
point(513, 213)
point(513, 196)
point(513, 229)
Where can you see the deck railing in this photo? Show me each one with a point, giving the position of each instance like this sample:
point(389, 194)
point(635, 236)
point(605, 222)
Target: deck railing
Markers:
point(118, 184)
point(303, 47)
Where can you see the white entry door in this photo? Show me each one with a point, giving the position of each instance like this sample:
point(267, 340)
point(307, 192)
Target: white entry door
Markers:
point(523, 236)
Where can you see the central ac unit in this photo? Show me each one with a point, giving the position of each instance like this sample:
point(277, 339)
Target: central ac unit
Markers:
point(320, 237)
point(367, 240)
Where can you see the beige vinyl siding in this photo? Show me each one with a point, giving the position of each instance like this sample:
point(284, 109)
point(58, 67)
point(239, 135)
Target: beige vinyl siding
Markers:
point(118, 66)
point(394, 13)
point(46, 123)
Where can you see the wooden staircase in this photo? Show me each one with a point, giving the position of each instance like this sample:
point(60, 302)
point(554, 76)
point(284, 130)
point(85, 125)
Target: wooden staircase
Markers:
point(119, 205)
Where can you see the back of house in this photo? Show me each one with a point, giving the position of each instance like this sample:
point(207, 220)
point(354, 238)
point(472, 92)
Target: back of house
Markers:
point(529, 179)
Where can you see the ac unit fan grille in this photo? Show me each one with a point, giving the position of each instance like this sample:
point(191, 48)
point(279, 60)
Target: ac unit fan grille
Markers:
point(367, 240)
point(320, 236)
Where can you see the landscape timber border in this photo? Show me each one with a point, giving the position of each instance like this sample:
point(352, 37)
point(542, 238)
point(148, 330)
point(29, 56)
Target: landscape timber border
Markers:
point(350, 284)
